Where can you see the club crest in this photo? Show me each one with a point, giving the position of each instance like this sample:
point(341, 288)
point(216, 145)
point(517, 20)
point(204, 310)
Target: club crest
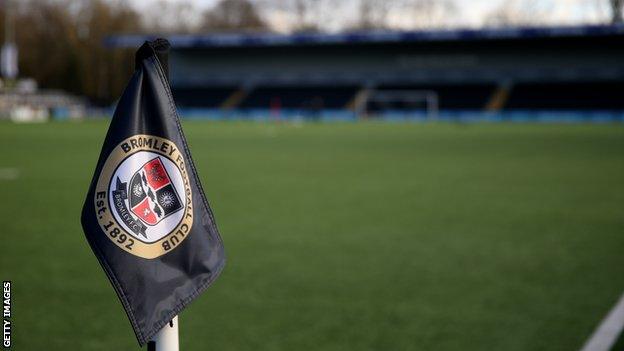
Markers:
point(143, 196)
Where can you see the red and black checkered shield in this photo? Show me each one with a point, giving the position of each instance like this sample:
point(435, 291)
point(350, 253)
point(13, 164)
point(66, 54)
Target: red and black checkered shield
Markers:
point(151, 194)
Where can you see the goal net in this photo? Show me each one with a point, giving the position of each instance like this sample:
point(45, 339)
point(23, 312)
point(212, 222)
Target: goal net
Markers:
point(405, 103)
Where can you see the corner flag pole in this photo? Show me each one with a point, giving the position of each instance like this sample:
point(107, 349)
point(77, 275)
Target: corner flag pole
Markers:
point(166, 339)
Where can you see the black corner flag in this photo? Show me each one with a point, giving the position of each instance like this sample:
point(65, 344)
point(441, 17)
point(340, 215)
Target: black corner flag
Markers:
point(146, 216)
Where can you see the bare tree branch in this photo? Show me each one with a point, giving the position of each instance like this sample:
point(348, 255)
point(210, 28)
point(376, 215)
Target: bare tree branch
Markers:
point(617, 8)
point(233, 15)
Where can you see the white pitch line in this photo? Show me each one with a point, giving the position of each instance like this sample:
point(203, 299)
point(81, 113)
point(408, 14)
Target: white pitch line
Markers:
point(607, 333)
point(9, 173)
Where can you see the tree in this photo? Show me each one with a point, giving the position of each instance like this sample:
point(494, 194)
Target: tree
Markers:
point(404, 14)
point(169, 17)
point(373, 14)
point(430, 13)
point(617, 9)
point(306, 12)
point(519, 12)
point(298, 16)
point(61, 46)
point(233, 15)
point(105, 71)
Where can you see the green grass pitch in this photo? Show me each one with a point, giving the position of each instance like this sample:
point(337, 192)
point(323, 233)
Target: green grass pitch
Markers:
point(345, 236)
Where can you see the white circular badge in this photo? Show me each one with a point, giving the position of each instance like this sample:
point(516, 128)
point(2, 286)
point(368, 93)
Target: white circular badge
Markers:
point(143, 196)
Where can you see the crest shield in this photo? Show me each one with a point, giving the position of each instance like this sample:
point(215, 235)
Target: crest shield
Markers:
point(152, 195)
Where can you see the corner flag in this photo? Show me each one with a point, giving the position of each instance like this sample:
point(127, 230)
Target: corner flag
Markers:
point(146, 217)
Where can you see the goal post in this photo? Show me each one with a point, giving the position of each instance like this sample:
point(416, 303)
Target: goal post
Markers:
point(370, 102)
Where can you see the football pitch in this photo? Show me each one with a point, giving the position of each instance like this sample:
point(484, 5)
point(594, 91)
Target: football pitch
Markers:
point(341, 236)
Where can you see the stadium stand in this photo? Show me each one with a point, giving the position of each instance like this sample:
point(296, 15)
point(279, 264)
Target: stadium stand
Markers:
point(568, 96)
point(488, 71)
point(319, 97)
point(206, 97)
